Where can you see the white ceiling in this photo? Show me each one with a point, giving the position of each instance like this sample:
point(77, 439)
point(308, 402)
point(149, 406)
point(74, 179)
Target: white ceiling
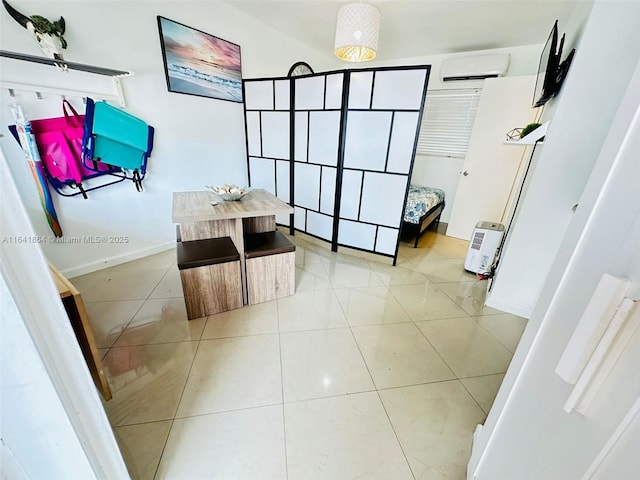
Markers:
point(419, 27)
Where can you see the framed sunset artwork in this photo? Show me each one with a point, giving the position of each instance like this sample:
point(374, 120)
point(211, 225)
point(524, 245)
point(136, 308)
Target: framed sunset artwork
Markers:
point(196, 63)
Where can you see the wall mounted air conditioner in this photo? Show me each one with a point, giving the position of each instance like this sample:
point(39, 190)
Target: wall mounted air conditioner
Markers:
point(475, 67)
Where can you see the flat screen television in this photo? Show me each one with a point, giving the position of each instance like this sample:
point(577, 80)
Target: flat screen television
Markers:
point(551, 72)
point(547, 68)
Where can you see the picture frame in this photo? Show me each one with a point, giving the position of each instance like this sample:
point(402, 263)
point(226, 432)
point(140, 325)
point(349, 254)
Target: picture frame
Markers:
point(198, 63)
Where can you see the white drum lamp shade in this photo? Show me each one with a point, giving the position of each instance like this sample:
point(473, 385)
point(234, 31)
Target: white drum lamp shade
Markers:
point(357, 32)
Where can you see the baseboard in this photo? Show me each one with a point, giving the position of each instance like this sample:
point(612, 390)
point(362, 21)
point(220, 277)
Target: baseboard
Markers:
point(116, 260)
point(514, 309)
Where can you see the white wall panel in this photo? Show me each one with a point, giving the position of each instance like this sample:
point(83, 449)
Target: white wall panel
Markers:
point(350, 198)
point(307, 186)
point(403, 137)
point(309, 93)
point(259, 95)
point(383, 198)
point(324, 135)
point(354, 234)
point(367, 140)
point(386, 240)
point(282, 219)
point(283, 183)
point(299, 218)
point(262, 173)
point(300, 138)
point(327, 190)
point(398, 89)
point(253, 133)
point(275, 134)
point(360, 89)
point(282, 94)
point(333, 94)
point(320, 225)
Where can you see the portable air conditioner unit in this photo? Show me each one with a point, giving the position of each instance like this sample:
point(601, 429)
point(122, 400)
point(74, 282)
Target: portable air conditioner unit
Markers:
point(483, 248)
point(475, 68)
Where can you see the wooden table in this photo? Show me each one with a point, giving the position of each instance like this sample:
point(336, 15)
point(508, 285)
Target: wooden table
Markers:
point(198, 219)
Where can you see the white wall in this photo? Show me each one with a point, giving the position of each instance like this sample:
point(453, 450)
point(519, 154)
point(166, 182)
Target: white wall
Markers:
point(527, 434)
point(443, 172)
point(581, 116)
point(198, 141)
point(53, 422)
point(491, 166)
point(31, 407)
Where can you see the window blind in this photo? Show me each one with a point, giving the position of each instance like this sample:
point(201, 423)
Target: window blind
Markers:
point(447, 122)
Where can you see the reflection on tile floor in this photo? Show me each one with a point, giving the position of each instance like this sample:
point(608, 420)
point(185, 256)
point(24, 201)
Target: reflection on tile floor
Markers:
point(368, 371)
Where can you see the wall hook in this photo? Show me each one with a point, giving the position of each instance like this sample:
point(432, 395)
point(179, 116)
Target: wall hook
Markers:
point(39, 95)
point(12, 93)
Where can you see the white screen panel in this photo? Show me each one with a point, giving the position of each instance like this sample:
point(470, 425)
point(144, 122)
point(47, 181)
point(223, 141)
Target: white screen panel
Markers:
point(300, 139)
point(350, 197)
point(359, 235)
point(319, 225)
point(282, 94)
point(282, 219)
point(367, 140)
point(262, 174)
point(299, 218)
point(383, 198)
point(333, 94)
point(328, 190)
point(324, 134)
point(360, 89)
point(387, 240)
point(258, 95)
point(283, 181)
point(403, 137)
point(275, 134)
point(399, 89)
point(253, 133)
point(307, 185)
point(309, 93)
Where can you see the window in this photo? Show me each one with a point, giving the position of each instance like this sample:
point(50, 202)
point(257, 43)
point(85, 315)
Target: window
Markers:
point(447, 122)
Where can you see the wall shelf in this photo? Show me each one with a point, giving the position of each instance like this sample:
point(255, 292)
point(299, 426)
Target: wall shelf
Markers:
point(114, 74)
point(109, 72)
point(537, 136)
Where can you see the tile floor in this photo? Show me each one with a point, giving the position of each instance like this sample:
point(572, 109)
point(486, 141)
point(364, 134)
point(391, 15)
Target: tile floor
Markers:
point(369, 371)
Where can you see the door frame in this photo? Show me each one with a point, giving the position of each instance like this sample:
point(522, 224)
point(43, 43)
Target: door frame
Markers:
point(25, 270)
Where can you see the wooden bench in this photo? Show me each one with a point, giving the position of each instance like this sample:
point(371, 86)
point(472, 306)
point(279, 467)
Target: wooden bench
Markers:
point(270, 263)
point(210, 276)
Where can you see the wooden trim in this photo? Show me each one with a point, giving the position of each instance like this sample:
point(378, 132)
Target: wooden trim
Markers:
point(79, 319)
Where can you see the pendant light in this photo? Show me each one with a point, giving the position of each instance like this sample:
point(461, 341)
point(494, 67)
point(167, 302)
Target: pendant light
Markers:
point(357, 32)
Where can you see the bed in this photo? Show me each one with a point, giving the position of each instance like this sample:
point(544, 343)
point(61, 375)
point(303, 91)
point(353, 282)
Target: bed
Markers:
point(423, 209)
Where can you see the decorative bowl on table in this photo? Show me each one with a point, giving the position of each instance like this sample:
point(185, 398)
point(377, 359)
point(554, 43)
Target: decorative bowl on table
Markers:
point(229, 193)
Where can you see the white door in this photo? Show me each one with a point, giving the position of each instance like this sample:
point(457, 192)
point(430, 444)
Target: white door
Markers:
point(574, 358)
point(490, 167)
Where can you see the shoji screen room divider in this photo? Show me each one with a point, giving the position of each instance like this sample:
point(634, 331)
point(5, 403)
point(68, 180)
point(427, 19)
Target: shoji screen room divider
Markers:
point(338, 146)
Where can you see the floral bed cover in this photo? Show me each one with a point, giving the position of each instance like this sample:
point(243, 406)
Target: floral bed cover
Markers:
point(420, 201)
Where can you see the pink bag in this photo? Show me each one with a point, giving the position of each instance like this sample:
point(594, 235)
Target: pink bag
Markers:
point(60, 144)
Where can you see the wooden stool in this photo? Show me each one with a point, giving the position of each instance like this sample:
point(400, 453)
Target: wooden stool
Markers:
point(210, 275)
point(271, 266)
